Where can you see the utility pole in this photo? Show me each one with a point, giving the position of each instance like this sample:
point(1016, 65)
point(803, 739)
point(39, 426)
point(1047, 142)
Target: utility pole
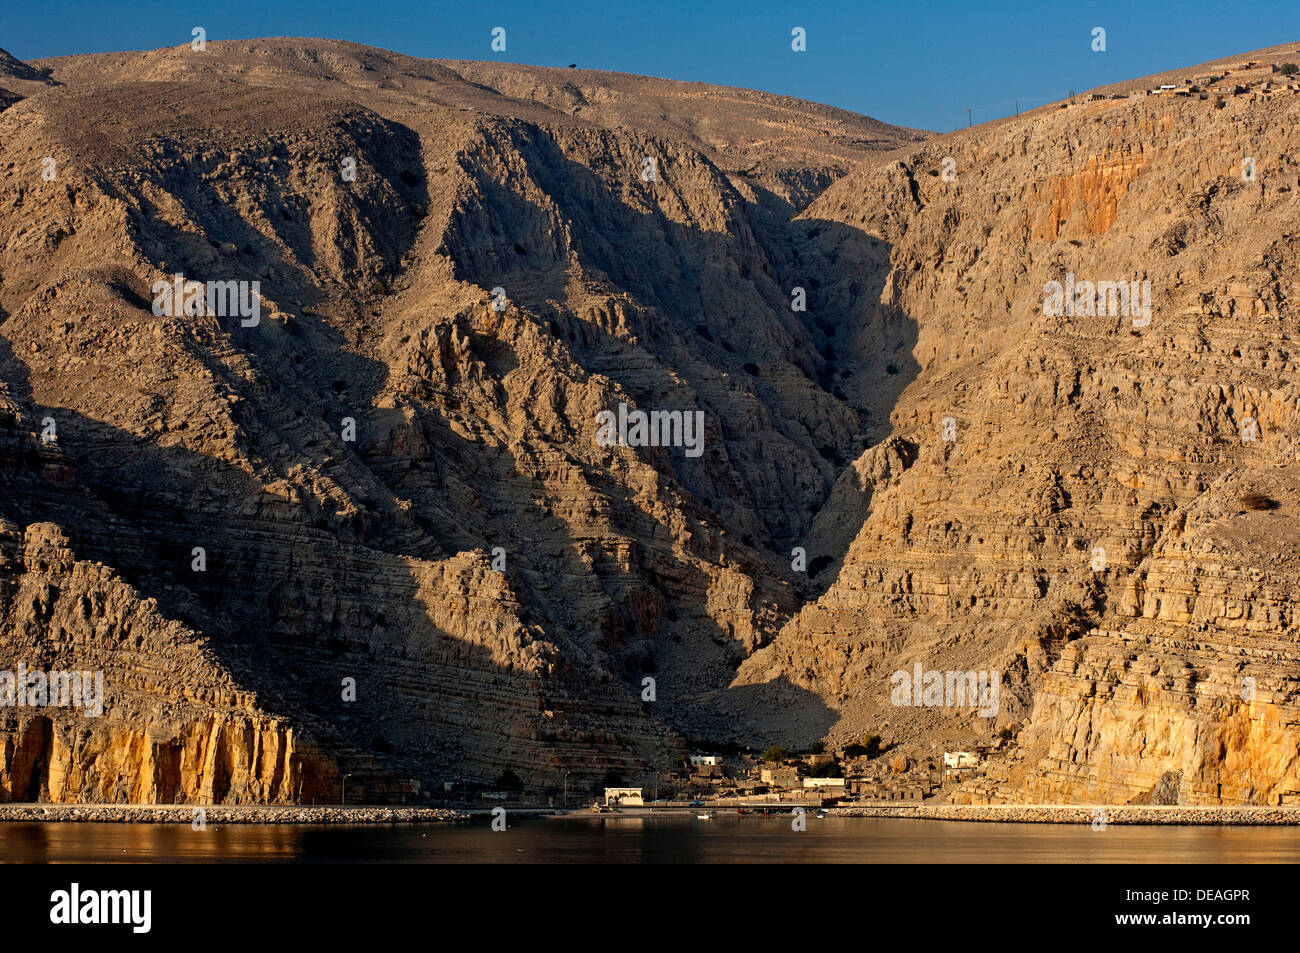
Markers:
point(968, 112)
point(1017, 107)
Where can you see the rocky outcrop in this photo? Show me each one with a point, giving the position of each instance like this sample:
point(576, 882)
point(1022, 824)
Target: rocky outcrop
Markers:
point(168, 725)
point(1100, 507)
point(417, 562)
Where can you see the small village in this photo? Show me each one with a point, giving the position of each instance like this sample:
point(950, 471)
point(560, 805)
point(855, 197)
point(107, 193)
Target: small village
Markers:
point(778, 780)
point(1256, 82)
point(865, 772)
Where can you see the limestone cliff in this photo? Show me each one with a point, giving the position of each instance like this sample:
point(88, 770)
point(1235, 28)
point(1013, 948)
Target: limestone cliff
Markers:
point(174, 726)
point(1101, 507)
point(417, 563)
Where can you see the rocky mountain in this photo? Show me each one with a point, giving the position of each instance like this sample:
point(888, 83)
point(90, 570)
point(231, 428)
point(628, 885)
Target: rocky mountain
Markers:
point(1101, 505)
point(372, 530)
point(377, 511)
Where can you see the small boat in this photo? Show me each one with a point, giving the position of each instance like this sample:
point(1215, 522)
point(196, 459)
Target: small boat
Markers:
point(704, 817)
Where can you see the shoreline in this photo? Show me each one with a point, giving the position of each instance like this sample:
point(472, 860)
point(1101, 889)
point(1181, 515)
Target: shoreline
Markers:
point(223, 814)
point(289, 814)
point(1130, 814)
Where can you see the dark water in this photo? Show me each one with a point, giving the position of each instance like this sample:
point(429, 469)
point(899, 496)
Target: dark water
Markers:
point(586, 839)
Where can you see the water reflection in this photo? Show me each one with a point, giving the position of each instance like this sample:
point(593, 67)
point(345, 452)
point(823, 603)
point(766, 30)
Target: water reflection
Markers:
point(578, 839)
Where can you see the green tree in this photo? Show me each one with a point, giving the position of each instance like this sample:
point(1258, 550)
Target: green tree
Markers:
point(776, 753)
point(1289, 69)
point(612, 779)
point(509, 781)
point(868, 748)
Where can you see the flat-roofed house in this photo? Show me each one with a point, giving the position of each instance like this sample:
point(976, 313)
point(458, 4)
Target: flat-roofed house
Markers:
point(824, 783)
point(825, 788)
point(781, 776)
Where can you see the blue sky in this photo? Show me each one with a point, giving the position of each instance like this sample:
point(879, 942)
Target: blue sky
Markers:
point(916, 64)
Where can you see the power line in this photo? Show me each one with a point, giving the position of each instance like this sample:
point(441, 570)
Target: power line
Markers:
point(970, 110)
point(1022, 99)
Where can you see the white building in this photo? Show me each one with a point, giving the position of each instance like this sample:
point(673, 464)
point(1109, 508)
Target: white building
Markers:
point(706, 760)
point(630, 797)
point(823, 783)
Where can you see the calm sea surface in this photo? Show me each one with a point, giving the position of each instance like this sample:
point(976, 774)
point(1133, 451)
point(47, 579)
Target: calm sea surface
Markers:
point(586, 839)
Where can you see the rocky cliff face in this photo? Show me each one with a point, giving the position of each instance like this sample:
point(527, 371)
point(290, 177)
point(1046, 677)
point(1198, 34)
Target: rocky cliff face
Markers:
point(373, 532)
point(1100, 507)
point(416, 560)
point(166, 724)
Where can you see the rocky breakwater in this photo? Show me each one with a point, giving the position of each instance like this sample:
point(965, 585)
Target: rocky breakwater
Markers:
point(1092, 815)
point(212, 814)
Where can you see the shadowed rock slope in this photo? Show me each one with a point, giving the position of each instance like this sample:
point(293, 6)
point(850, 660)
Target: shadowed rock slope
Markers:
point(492, 585)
